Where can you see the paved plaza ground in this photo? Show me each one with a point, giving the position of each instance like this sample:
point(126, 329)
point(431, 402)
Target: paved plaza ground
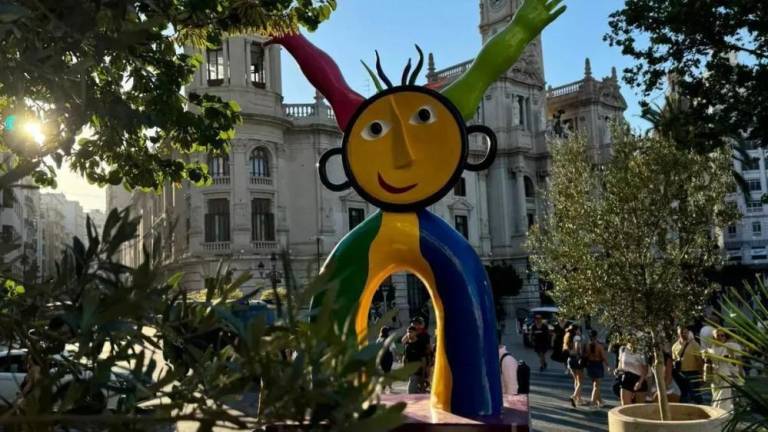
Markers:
point(550, 409)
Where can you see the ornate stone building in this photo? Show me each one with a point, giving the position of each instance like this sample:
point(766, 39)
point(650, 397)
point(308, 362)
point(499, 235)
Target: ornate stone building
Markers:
point(266, 195)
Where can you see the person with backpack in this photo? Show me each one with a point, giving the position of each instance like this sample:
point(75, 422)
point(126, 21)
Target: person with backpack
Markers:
point(597, 363)
point(573, 348)
point(508, 366)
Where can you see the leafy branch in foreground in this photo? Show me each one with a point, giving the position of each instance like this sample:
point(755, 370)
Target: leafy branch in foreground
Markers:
point(105, 84)
point(116, 348)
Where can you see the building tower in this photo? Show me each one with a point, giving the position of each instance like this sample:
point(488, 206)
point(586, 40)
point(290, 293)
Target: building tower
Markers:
point(589, 106)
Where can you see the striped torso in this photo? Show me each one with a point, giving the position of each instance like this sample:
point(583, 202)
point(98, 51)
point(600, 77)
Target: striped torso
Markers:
point(466, 379)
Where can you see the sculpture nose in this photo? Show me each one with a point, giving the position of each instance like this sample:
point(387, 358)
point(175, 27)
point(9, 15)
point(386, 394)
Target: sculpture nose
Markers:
point(402, 153)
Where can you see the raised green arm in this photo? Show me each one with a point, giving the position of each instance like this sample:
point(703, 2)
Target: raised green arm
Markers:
point(500, 53)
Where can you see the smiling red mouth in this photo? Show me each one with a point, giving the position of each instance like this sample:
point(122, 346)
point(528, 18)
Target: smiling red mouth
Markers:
point(394, 189)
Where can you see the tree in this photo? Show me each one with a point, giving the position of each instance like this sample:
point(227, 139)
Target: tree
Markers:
point(693, 43)
point(101, 81)
point(627, 242)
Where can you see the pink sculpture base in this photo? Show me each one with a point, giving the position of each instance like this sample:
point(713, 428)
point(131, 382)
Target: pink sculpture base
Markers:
point(420, 417)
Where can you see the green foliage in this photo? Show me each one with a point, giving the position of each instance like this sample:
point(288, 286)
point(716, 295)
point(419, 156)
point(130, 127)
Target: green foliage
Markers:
point(745, 318)
point(133, 333)
point(627, 242)
point(692, 41)
point(105, 80)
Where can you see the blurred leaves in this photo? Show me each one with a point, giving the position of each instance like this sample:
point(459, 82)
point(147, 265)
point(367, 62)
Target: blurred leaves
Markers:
point(101, 332)
point(744, 318)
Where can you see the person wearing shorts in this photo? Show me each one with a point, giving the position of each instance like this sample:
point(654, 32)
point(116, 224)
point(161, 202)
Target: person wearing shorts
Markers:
point(540, 337)
point(634, 382)
point(597, 362)
point(572, 345)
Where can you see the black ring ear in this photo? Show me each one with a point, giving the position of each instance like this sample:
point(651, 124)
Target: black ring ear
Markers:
point(490, 155)
point(321, 169)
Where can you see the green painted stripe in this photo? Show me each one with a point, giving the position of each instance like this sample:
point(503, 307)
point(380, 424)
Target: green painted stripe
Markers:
point(347, 269)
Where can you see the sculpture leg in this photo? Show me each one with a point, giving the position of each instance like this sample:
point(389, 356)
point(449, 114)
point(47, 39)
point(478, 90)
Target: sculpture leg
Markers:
point(470, 318)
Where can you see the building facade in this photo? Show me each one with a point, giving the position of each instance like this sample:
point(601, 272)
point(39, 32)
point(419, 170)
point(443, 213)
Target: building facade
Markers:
point(60, 221)
point(266, 195)
point(20, 226)
point(746, 242)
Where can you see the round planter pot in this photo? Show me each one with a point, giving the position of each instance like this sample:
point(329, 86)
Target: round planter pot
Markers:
point(685, 418)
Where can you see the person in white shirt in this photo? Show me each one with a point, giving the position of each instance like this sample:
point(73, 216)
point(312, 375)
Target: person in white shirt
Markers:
point(724, 369)
point(634, 380)
point(706, 334)
point(508, 366)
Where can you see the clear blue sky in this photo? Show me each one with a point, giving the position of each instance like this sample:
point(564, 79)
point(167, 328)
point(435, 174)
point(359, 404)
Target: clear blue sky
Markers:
point(449, 29)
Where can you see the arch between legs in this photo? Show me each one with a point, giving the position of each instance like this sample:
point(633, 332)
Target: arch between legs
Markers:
point(394, 251)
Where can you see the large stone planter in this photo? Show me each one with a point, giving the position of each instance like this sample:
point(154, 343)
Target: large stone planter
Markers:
point(685, 418)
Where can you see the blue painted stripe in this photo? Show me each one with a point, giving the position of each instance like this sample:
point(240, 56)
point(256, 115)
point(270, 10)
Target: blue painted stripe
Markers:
point(470, 317)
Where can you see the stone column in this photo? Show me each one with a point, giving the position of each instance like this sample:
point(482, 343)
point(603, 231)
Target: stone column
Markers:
point(239, 222)
point(237, 70)
point(521, 211)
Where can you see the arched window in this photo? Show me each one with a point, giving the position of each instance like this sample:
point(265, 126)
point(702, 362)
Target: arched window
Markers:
point(530, 191)
point(259, 162)
point(218, 166)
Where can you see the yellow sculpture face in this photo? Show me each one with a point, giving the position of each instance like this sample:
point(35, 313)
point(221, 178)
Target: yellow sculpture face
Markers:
point(405, 148)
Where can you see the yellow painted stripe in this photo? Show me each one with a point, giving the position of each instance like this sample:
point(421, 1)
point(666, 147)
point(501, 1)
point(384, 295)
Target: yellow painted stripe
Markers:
point(396, 248)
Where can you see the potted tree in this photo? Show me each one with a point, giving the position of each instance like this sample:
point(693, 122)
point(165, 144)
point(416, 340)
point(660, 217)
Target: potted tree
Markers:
point(627, 241)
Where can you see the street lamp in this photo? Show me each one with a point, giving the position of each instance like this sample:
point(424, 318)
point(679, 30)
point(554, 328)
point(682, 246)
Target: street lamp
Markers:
point(274, 277)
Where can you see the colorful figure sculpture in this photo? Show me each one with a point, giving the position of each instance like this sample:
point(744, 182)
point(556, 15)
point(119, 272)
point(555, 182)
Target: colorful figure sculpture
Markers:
point(403, 149)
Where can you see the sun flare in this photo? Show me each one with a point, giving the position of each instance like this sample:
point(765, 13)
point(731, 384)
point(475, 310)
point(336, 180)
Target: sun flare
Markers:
point(35, 131)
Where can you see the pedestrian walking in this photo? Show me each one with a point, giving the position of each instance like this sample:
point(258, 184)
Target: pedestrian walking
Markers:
point(722, 357)
point(415, 352)
point(634, 375)
point(688, 364)
point(575, 363)
point(597, 363)
point(558, 334)
point(540, 337)
point(508, 365)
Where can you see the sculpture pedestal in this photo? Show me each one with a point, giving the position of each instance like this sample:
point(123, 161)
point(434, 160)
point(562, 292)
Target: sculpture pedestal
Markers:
point(420, 417)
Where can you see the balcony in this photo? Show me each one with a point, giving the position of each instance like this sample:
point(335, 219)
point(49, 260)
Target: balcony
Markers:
point(261, 181)
point(264, 245)
point(221, 180)
point(217, 247)
point(566, 89)
point(454, 70)
point(317, 111)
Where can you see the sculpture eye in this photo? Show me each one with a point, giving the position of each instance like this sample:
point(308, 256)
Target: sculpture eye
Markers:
point(424, 115)
point(375, 129)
